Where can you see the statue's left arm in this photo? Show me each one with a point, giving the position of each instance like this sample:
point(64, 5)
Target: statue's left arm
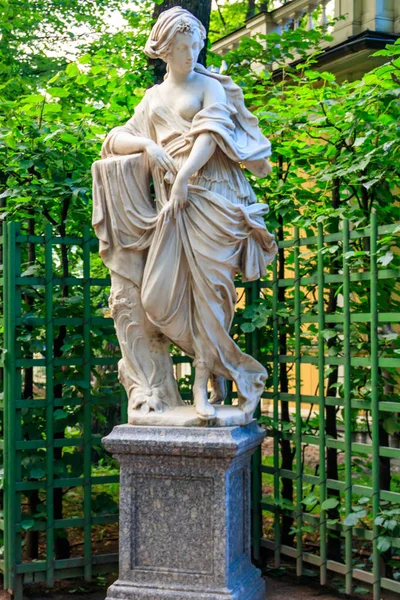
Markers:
point(203, 148)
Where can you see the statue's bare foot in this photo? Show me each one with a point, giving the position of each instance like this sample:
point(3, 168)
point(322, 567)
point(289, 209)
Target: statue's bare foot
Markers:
point(219, 389)
point(203, 408)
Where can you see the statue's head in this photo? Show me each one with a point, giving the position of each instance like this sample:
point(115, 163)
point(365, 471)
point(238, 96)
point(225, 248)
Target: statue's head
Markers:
point(177, 38)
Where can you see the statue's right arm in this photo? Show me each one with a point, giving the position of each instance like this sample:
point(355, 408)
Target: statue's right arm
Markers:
point(126, 143)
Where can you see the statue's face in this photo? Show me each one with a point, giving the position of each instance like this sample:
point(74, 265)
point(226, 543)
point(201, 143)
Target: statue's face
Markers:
point(184, 51)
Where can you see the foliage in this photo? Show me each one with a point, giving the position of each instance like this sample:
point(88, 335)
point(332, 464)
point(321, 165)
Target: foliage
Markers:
point(230, 15)
point(227, 17)
point(51, 133)
point(336, 156)
point(68, 78)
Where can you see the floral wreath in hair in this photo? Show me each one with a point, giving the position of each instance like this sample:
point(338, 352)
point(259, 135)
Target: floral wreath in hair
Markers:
point(170, 22)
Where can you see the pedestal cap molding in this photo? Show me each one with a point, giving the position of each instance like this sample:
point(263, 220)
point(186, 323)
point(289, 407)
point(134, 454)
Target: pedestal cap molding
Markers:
point(184, 441)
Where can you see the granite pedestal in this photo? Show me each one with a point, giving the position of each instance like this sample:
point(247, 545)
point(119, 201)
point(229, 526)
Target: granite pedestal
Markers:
point(185, 513)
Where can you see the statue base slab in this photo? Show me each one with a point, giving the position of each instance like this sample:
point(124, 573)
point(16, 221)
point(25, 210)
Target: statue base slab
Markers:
point(186, 416)
point(185, 513)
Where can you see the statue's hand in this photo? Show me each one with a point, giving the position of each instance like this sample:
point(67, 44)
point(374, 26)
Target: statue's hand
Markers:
point(159, 157)
point(179, 195)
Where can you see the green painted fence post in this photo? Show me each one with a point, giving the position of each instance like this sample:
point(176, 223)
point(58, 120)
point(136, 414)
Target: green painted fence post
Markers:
point(347, 406)
point(275, 383)
point(252, 295)
point(49, 324)
point(8, 352)
point(298, 433)
point(87, 409)
point(12, 417)
point(375, 403)
point(321, 398)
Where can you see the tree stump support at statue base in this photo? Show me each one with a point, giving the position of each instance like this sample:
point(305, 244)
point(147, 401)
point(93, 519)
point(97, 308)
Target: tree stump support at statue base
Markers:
point(185, 513)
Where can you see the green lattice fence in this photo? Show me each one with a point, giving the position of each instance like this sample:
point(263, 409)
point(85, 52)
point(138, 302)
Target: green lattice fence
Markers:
point(34, 442)
point(344, 523)
point(299, 512)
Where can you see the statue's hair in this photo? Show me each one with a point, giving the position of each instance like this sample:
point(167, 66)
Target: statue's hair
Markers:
point(172, 21)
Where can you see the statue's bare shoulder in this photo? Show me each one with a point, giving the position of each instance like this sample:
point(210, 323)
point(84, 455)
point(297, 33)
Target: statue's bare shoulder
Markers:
point(213, 90)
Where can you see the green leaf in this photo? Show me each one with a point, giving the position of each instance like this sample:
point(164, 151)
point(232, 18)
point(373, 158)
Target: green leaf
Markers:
point(352, 519)
point(386, 258)
point(58, 92)
point(68, 137)
point(369, 184)
point(391, 424)
point(33, 99)
point(27, 524)
point(59, 414)
point(383, 543)
point(100, 82)
point(72, 70)
point(312, 74)
point(391, 524)
point(329, 334)
point(85, 59)
point(96, 69)
point(248, 327)
point(328, 76)
point(310, 500)
point(286, 426)
point(51, 108)
point(330, 503)
point(54, 79)
point(260, 321)
point(359, 141)
point(11, 141)
point(37, 473)
point(104, 503)
point(26, 164)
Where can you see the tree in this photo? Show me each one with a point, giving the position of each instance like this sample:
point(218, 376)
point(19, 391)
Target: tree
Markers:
point(200, 8)
point(251, 9)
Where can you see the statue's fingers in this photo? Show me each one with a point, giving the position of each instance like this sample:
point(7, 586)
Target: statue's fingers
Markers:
point(171, 164)
point(164, 164)
point(176, 207)
point(175, 164)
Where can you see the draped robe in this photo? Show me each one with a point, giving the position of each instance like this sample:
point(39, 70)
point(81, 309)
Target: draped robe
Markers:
point(189, 263)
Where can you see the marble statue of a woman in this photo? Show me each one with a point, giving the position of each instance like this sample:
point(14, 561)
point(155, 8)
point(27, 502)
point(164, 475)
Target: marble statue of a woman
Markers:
point(173, 255)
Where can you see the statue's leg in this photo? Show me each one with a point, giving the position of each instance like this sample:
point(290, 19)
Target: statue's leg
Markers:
point(203, 408)
point(219, 389)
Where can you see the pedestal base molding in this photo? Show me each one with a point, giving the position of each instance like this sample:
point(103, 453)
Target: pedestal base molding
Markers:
point(253, 589)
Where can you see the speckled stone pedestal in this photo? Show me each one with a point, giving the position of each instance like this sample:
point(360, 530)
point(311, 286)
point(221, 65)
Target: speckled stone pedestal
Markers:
point(185, 513)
